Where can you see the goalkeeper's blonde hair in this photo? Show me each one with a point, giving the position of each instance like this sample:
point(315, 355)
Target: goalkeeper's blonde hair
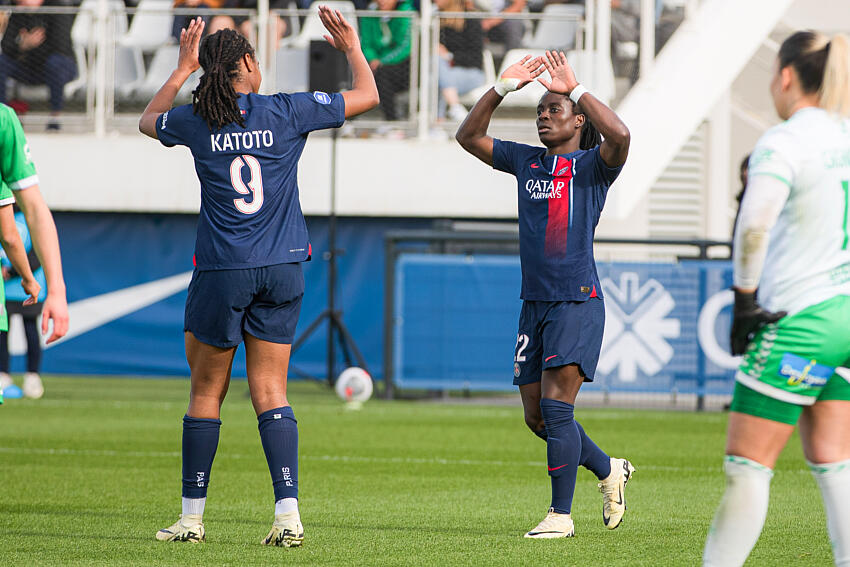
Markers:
point(823, 67)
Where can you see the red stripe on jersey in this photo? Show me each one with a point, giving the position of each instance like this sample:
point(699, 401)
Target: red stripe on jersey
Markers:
point(558, 222)
point(593, 293)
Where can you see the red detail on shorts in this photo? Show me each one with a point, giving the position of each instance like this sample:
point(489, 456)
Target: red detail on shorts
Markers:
point(558, 222)
point(555, 468)
point(550, 358)
point(593, 293)
point(309, 249)
point(194, 261)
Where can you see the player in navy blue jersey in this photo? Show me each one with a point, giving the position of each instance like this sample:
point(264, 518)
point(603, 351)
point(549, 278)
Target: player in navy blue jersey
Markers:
point(248, 284)
point(561, 190)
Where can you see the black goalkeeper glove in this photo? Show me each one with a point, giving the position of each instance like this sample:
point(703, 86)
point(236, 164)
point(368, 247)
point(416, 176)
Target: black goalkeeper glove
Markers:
point(748, 317)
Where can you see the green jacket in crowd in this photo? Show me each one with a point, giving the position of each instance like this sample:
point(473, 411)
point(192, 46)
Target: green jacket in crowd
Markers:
point(387, 39)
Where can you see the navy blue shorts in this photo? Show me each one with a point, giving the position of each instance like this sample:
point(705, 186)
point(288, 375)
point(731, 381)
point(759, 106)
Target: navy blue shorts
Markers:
point(263, 302)
point(557, 333)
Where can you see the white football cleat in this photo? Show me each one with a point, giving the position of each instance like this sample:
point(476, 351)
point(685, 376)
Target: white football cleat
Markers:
point(189, 527)
point(553, 525)
point(33, 388)
point(5, 380)
point(613, 491)
point(287, 531)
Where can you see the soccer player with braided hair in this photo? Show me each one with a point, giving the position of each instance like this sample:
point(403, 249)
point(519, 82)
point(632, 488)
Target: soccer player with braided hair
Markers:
point(252, 237)
point(561, 189)
point(792, 245)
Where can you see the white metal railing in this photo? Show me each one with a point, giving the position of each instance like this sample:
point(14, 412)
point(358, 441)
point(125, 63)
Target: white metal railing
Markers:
point(124, 54)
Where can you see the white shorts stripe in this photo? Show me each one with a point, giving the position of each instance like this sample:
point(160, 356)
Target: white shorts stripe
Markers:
point(771, 392)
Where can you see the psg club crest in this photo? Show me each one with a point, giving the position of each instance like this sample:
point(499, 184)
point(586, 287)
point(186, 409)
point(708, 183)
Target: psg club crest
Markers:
point(516, 369)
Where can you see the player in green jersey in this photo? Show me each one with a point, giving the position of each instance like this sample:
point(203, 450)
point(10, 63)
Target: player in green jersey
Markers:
point(792, 243)
point(19, 183)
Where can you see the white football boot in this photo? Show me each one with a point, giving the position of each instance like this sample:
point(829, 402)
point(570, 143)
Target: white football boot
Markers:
point(190, 527)
point(613, 490)
point(5, 380)
point(287, 531)
point(33, 388)
point(553, 525)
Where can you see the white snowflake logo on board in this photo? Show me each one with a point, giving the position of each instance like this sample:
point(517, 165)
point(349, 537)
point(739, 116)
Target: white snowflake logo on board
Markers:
point(637, 327)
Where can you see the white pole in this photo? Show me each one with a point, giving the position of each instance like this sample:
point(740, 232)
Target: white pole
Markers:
point(425, 68)
point(100, 102)
point(589, 25)
point(263, 50)
point(603, 40)
point(647, 35)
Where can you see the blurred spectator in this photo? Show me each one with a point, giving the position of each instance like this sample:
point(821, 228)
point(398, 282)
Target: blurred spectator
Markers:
point(15, 296)
point(386, 44)
point(460, 56)
point(182, 20)
point(499, 30)
point(37, 50)
point(243, 24)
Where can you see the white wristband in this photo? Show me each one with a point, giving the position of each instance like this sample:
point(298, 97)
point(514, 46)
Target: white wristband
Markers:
point(505, 86)
point(577, 92)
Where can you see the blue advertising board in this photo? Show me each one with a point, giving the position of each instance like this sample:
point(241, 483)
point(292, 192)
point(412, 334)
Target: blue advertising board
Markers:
point(667, 324)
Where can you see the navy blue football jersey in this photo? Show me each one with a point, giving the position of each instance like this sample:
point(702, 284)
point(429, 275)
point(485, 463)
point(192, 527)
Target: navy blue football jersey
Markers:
point(250, 211)
point(560, 199)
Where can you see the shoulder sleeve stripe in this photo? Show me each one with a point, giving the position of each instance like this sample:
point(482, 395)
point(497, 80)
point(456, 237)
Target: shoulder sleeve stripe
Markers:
point(9, 201)
point(24, 183)
point(774, 175)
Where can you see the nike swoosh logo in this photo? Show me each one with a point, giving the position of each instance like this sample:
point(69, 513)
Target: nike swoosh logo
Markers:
point(556, 468)
point(93, 312)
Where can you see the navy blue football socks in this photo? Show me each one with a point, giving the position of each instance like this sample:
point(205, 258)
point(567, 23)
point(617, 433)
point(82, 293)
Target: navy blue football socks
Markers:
point(592, 457)
point(279, 434)
point(200, 441)
point(542, 433)
point(563, 450)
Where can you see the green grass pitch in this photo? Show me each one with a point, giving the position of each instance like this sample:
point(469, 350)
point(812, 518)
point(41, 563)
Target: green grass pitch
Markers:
point(90, 472)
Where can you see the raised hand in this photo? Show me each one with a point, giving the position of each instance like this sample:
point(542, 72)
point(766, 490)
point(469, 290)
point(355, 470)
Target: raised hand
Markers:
point(525, 70)
point(190, 39)
point(342, 35)
point(563, 78)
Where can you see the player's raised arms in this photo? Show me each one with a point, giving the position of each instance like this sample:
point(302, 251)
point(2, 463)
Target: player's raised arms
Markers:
point(614, 148)
point(363, 95)
point(361, 98)
point(187, 63)
point(472, 133)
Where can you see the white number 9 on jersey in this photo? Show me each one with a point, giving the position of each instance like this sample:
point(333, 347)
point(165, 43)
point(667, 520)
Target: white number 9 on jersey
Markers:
point(255, 185)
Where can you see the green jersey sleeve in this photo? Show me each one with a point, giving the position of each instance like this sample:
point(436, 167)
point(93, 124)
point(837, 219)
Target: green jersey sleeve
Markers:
point(17, 170)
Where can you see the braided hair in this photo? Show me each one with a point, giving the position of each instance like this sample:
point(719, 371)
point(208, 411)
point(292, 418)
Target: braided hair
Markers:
point(590, 136)
point(215, 97)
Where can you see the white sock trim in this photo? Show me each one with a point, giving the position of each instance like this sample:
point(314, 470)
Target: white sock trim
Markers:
point(285, 506)
point(194, 506)
point(743, 461)
point(829, 468)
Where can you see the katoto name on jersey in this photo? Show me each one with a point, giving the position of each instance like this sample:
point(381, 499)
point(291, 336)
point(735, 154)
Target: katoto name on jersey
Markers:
point(238, 141)
point(544, 189)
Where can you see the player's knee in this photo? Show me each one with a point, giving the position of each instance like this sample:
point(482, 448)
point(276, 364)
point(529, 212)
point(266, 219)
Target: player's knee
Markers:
point(534, 421)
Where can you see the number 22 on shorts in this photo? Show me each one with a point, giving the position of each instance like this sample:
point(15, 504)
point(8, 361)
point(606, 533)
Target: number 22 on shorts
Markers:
point(521, 345)
point(255, 185)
